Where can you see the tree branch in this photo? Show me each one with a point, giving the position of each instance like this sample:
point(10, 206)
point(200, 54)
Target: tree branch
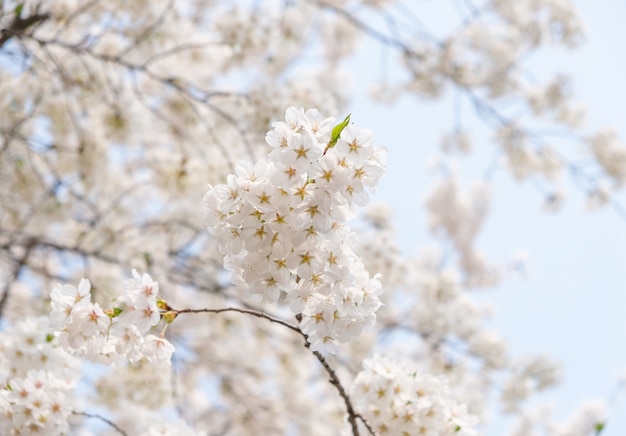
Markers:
point(184, 88)
point(256, 313)
point(20, 263)
point(101, 418)
point(333, 378)
point(19, 26)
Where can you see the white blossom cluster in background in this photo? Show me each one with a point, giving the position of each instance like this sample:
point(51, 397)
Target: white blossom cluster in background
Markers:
point(122, 332)
point(528, 376)
point(397, 400)
point(37, 380)
point(589, 418)
point(116, 115)
point(457, 213)
point(281, 224)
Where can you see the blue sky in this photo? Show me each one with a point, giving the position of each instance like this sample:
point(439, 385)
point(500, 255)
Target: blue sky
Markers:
point(573, 306)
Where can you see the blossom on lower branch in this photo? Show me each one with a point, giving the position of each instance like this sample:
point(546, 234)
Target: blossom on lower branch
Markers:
point(37, 380)
point(281, 224)
point(115, 334)
point(397, 400)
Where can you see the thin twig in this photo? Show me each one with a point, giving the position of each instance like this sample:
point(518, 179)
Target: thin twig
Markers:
point(191, 91)
point(103, 419)
point(20, 263)
point(334, 379)
point(256, 313)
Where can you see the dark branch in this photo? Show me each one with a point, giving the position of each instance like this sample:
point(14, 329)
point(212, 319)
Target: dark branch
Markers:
point(103, 419)
point(19, 26)
point(333, 378)
point(20, 263)
point(256, 313)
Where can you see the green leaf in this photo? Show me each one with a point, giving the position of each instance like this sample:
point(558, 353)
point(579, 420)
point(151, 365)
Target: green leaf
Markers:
point(49, 337)
point(147, 257)
point(599, 427)
point(112, 313)
point(336, 133)
point(18, 9)
point(457, 429)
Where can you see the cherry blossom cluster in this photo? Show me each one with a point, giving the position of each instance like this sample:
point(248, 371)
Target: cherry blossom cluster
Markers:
point(588, 418)
point(379, 250)
point(108, 336)
point(281, 224)
point(36, 380)
point(610, 154)
point(528, 376)
point(400, 401)
point(458, 213)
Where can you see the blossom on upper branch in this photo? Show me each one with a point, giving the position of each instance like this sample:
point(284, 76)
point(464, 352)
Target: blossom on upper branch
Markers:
point(281, 224)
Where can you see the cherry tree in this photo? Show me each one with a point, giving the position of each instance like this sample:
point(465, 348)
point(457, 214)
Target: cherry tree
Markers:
point(186, 240)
